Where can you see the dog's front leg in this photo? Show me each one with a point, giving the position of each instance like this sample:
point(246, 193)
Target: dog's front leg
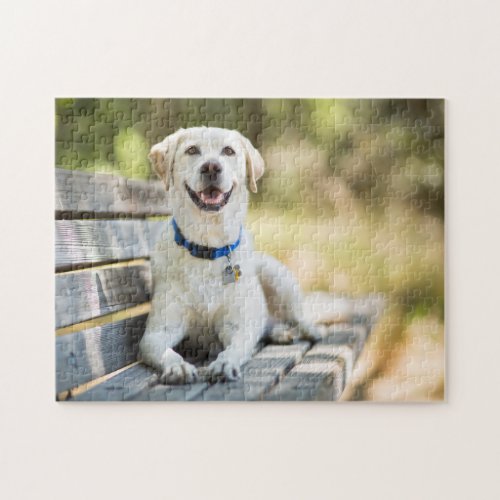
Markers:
point(164, 330)
point(239, 334)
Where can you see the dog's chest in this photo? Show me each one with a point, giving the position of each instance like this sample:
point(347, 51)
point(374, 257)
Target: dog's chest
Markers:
point(203, 286)
point(206, 284)
point(209, 282)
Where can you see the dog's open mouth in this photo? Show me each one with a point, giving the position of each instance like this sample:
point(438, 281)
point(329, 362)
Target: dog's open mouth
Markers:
point(211, 198)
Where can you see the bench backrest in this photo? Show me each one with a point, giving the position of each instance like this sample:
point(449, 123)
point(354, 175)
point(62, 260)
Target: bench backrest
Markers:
point(104, 236)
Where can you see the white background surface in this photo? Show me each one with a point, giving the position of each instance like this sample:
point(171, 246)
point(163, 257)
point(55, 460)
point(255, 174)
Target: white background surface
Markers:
point(255, 48)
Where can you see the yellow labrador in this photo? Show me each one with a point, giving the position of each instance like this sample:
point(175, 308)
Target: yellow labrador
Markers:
point(209, 283)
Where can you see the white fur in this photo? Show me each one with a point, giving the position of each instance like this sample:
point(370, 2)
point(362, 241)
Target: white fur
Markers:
point(189, 295)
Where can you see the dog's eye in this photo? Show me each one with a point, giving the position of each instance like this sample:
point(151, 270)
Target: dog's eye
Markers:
point(228, 151)
point(193, 150)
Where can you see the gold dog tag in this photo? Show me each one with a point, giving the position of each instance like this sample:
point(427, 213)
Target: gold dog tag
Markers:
point(237, 272)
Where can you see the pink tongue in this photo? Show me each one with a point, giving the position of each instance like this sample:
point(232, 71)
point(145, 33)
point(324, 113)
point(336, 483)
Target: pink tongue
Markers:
point(212, 198)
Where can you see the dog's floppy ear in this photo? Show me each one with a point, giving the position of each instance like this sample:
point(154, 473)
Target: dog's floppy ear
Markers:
point(255, 164)
point(162, 155)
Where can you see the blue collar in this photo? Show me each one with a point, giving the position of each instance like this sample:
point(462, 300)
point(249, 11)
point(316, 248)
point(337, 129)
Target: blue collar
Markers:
point(200, 251)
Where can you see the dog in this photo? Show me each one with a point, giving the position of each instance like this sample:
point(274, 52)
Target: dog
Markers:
point(209, 285)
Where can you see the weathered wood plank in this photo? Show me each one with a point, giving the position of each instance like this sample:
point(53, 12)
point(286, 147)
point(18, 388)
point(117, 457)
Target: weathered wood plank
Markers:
point(76, 391)
point(160, 392)
point(123, 387)
point(342, 334)
point(97, 195)
point(325, 369)
point(306, 379)
point(245, 389)
point(82, 243)
point(86, 294)
point(258, 375)
point(88, 354)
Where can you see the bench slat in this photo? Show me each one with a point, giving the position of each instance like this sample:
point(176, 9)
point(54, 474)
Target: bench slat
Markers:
point(258, 375)
point(353, 336)
point(324, 370)
point(160, 392)
point(88, 354)
point(83, 242)
point(101, 195)
point(122, 387)
point(304, 382)
point(82, 295)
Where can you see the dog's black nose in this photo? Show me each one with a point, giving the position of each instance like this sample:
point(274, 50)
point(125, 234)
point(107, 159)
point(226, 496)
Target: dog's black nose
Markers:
point(211, 170)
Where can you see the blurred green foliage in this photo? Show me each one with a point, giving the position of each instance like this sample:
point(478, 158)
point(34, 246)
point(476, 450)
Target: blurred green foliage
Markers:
point(353, 195)
point(381, 147)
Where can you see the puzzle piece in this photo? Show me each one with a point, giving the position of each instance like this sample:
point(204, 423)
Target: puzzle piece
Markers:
point(351, 201)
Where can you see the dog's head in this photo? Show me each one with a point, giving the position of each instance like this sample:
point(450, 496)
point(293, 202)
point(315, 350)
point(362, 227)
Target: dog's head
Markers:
point(210, 165)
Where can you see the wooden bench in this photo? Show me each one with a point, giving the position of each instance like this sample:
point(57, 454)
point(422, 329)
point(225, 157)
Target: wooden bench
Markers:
point(106, 227)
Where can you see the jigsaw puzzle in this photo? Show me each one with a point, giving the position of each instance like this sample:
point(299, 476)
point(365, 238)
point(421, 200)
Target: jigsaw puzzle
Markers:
point(249, 249)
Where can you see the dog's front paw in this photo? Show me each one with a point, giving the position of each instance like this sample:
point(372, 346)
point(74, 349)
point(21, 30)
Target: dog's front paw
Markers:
point(223, 369)
point(308, 331)
point(180, 372)
point(282, 333)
